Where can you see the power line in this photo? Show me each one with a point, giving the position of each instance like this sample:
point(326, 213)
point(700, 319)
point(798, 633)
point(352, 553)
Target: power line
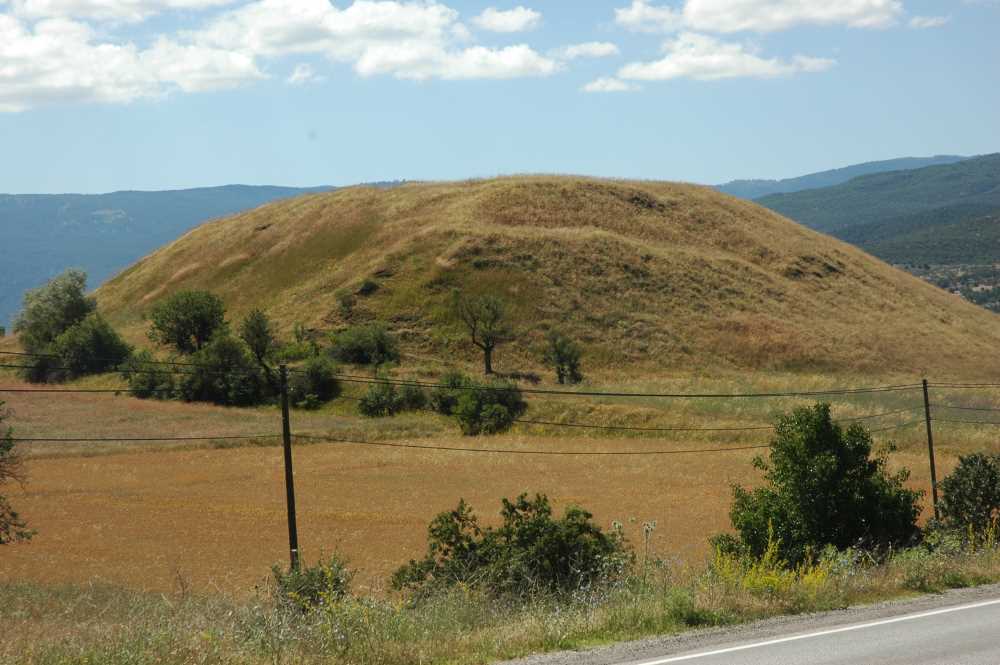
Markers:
point(964, 408)
point(247, 437)
point(965, 422)
point(385, 444)
point(574, 393)
point(644, 429)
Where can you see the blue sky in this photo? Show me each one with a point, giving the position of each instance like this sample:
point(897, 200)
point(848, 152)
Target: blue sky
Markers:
point(100, 95)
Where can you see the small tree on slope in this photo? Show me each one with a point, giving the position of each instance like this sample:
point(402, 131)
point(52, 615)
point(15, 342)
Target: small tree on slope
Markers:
point(12, 527)
point(823, 487)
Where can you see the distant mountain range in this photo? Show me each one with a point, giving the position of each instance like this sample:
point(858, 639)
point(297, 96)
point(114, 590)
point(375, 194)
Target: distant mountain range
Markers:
point(936, 214)
point(755, 189)
point(43, 234)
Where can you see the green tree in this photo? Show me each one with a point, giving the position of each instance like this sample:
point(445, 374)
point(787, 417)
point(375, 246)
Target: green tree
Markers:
point(51, 309)
point(563, 355)
point(823, 487)
point(12, 526)
point(91, 346)
point(257, 333)
point(313, 383)
point(970, 495)
point(486, 319)
point(187, 320)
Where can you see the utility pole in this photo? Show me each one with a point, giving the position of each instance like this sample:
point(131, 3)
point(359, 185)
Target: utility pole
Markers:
point(930, 449)
point(286, 434)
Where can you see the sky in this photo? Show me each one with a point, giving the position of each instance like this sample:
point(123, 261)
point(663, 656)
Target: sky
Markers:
point(103, 95)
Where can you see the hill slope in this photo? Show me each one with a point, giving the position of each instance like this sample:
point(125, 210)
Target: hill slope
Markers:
point(103, 233)
point(754, 189)
point(880, 206)
point(649, 276)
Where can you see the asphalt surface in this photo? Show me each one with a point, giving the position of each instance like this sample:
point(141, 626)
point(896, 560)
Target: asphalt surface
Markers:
point(956, 628)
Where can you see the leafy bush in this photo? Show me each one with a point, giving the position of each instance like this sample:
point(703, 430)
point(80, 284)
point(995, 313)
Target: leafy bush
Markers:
point(370, 344)
point(52, 309)
point(563, 355)
point(368, 287)
point(187, 320)
point(445, 399)
point(380, 401)
point(823, 488)
point(412, 398)
point(146, 378)
point(257, 333)
point(12, 527)
point(313, 383)
point(48, 312)
point(311, 586)
point(224, 373)
point(971, 494)
point(89, 347)
point(489, 409)
point(530, 552)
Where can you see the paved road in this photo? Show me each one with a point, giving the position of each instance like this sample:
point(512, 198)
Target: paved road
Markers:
point(956, 628)
point(964, 635)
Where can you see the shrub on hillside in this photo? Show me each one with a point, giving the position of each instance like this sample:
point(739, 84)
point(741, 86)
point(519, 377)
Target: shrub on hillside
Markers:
point(970, 496)
point(313, 383)
point(48, 312)
point(187, 320)
point(381, 400)
point(823, 487)
point(445, 399)
point(530, 552)
point(146, 378)
point(12, 526)
point(370, 344)
point(412, 398)
point(311, 586)
point(563, 355)
point(489, 408)
point(224, 373)
point(91, 346)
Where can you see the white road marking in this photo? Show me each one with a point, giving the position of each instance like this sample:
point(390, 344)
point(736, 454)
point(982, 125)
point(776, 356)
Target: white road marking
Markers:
point(821, 633)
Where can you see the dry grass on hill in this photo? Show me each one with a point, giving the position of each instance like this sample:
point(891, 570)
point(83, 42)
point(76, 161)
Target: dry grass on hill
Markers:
point(651, 277)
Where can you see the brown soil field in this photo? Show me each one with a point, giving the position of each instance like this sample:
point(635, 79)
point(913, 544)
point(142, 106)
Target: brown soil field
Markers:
point(157, 516)
point(215, 519)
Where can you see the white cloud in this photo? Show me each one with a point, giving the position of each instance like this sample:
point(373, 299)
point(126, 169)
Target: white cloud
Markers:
point(641, 16)
point(518, 19)
point(406, 40)
point(607, 84)
point(303, 74)
point(705, 58)
point(727, 16)
point(62, 61)
point(922, 22)
point(107, 10)
point(586, 50)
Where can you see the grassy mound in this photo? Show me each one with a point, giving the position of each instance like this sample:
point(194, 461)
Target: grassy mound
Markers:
point(649, 277)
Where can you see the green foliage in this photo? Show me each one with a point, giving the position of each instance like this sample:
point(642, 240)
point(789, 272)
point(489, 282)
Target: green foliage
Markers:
point(379, 401)
point(370, 344)
point(12, 526)
point(823, 488)
point(563, 355)
point(445, 399)
point(345, 302)
point(490, 408)
point(530, 552)
point(146, 378)
point(970, 496)
point(89, 347)
point(412, 398)
point(224, 373)
point(486, 319)
point(368, 287)
point(187, 320)
point(313, 383)
point(52, 309)
point(311, 586)
point(257, 333)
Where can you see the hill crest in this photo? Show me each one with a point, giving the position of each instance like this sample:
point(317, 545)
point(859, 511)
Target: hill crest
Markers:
point(649, 276)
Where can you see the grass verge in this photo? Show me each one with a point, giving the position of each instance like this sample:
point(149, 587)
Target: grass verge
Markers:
point(105, 624)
